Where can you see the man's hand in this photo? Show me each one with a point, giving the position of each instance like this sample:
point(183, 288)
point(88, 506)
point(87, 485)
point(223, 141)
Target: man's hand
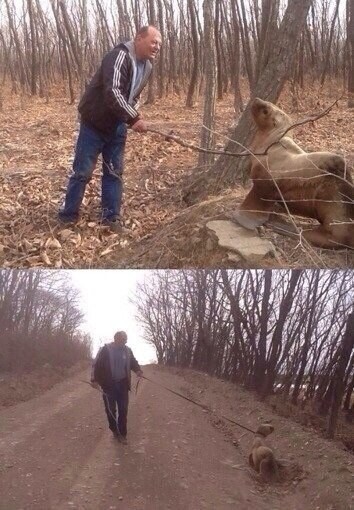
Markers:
point(140, 126)
point(95, 385)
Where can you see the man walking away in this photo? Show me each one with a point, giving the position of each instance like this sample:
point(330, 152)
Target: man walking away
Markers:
point(112, 371)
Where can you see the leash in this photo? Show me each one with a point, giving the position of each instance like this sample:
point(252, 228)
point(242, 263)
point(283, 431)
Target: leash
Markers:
point(137, 385)
point(90, 384)
point(202, 406)
point(105, 396)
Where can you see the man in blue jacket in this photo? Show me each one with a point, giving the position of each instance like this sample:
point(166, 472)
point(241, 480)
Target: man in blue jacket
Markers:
point(108, 105)
point(112, 371)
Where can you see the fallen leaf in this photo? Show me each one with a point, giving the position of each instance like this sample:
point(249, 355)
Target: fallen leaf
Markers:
point(45, 258)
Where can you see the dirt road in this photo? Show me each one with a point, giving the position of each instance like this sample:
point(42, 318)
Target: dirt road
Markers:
point(56, 452)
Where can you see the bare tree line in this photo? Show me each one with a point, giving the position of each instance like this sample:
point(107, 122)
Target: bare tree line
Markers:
point(43, 42)
point(290, 332)
point(39, 321)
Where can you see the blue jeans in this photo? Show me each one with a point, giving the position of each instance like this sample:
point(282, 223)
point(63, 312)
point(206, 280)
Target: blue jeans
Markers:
point(90, 144)
point(113, 398)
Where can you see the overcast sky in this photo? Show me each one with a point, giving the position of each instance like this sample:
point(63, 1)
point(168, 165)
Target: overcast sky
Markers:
point(111, 5)
point(105, 297)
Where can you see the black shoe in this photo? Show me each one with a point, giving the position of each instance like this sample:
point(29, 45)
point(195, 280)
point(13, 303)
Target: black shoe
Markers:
point(114, 432)
point(67, 220)
point(118, 435)
point(114, 225)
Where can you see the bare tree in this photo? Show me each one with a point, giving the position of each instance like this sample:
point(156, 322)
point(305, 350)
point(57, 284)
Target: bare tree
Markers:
point(350, 31)
point(330, 41)
point(196, 54)
point(40, 320)
point(207, 137)
point(36, 49)
point(228, 170)
point(267, 330)
point(347, 347)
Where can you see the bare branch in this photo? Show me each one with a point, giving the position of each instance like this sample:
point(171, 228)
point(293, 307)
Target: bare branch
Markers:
point(248, 152)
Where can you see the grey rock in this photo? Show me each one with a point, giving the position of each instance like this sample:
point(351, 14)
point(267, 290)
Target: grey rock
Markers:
point(242, 241)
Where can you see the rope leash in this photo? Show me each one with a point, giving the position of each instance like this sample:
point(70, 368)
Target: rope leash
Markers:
point(202, 406)
point(105, 396)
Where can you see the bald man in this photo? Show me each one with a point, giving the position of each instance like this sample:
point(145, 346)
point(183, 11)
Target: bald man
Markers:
point(111, 370)
point(107, 107)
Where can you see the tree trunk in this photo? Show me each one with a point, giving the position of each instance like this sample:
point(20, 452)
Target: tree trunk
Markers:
point(268, 34)
point(338, 380)
point(328, 52)
point(21, 62)
point(66, 52)
point(238, 101)
point(348, 395)
point(217, 44)
point(195, 46)
point(208, 137)
point(228, 170)
point(276, 342)
point(161, 77)
point(34, 66)
point(124, 30)
point(350, 35)
point(72, 36)
point(260, 361)
point(152, 81)
point(246, 44)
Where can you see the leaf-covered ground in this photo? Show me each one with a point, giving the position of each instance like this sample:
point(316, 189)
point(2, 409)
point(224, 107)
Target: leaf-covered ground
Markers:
point(36, 150)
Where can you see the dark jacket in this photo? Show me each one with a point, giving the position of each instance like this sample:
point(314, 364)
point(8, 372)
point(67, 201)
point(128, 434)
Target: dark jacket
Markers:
point(109, 97)
point(101, 368)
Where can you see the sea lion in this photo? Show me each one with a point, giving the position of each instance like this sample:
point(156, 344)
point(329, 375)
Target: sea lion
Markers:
point(262, 457)
point(315, 185)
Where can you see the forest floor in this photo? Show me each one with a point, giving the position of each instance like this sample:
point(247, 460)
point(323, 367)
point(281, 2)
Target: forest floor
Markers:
point(37, 140)
point(178, 456)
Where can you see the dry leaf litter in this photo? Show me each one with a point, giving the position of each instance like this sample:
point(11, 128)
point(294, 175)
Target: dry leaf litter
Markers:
point(36, 150)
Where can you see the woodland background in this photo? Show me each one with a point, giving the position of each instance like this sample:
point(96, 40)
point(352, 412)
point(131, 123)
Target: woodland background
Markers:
point(289, 333)
point(215, 56)
point(43, 41)
point(207, 47)
point(283, 335)
point(287, 336)
point(40, 321)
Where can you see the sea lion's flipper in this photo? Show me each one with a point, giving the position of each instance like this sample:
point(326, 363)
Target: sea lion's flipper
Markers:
point(282, 227)
point(253, 212)
point(250, 220)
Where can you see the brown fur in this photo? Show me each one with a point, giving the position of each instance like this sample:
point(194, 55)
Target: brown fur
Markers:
point(262, 457)
point(315, 185)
